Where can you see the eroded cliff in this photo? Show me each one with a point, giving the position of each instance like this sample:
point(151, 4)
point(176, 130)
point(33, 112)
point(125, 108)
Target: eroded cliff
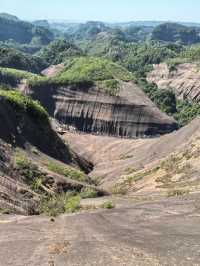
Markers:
point(183, 79)
point(90, 109)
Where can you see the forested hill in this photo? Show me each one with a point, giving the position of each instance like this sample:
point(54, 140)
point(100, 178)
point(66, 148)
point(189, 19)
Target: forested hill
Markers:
point(174, 32)
point(12, 28)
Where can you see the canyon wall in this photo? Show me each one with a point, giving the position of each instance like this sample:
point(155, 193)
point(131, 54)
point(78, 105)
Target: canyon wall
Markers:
point(90, 109)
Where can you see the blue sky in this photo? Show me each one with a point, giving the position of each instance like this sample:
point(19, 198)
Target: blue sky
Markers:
point(105, 10)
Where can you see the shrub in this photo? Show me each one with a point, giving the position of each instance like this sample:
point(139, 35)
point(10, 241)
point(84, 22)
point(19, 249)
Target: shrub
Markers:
point(88, 193)
point(58, 204)
point(67, 171)
point(72, 204)
point(108, 205)
point(177, 193)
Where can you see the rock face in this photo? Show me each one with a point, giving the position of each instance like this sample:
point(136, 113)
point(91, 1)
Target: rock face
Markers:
point(90, 109)
point(154, 165)
point(184, 80)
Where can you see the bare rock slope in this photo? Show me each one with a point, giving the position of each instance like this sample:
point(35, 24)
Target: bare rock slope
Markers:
point(91, 109)
point(30, 152)
point(159, 164)
point(184, 80)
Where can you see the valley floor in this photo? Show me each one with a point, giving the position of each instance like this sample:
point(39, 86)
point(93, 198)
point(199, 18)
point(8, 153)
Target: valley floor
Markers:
point(161, 232)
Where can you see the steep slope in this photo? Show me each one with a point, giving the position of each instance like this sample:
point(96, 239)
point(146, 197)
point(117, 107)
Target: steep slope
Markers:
point(183, 79)
point(169, 164)
point(96, 95)
point(36, 167)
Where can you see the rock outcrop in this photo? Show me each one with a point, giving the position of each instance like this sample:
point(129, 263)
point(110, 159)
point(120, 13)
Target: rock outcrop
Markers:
point(155, 165)
point(91, 109)
point(184, 80)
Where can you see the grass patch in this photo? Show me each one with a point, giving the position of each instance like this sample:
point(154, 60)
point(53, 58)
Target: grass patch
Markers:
point(177, 192)
point(108, 205)
point(67, 171)
point(56, 205)
point(12, 76)
point(5, 211)
point(25, 104)
point(86, 71)
point(72, 204)
point(110, 86)
point(88, 193)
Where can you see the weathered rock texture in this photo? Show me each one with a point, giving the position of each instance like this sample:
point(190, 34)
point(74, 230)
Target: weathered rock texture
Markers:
point(90, 109)
point(154, 165)
point(184, 80)
point(35, 142)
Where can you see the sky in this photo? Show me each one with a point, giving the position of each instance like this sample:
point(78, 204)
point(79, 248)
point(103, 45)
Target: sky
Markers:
point(104, 10)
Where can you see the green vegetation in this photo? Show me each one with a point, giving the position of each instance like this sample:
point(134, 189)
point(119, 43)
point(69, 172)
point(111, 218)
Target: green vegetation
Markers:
point(21, 161)
point(88, 193)
point(11, 77)
point(186, 112)
point(5, 211)
point(182, 110)
point(111, 87)
point(25, 104)
point(86, 71)
point(72, 204)
point(174, 32)
point(58, 204)
point(164, 99)
point(23, 32)
point(177, 192)
point(12, 58)
point(59, 51)
point(95, 69)
point(67, 171)
point(108, 205)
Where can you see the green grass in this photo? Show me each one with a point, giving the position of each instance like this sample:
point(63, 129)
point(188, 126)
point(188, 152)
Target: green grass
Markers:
point(18, 74)
point(11, 77)
point(20, 160)
point(25, 104)
point(87, 71)
point(95, 69)
point(72, 204)
point(111, 86)
point(177, 192)
point(58, 204)
point(67, 171)
point(108, 205)
point(88, 193)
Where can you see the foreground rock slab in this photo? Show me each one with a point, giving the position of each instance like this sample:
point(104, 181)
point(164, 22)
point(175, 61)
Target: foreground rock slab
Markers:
point(164, 232)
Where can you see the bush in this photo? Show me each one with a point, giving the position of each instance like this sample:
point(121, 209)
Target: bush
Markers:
point(88, 193)
point(186, 112)
point(72, 204)
point(108, 205)
point(164, 99)
point(58, 204)
point(177, 193)
point(67, 171)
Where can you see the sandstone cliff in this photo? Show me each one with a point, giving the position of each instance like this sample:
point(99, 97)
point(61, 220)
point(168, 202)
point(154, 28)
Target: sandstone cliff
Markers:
point(184, 80)
point(91, 109)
